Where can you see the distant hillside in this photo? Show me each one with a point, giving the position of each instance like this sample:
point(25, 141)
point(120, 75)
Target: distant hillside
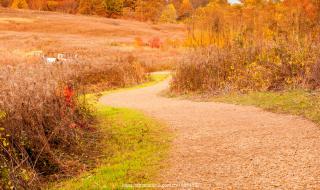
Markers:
point(91, 37)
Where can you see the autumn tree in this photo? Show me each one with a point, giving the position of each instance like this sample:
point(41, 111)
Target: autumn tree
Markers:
point(303, 16)
point(220, 2)
point(254, 2)
point(186, 8)
point(68, 6)
point(199, 3)
point(305, 7)
point(148, 10)
point(5, 3)
point(19, 4)
point(84, 7)
point(113, 7)
point(130, 4)
point(37, 4)
point(169, 14)
point(91, 7)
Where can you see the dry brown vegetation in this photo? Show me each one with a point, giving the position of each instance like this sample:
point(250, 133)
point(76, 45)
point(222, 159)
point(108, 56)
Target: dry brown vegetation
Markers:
point(39, 127)
point(88, 37)
point(42, 135)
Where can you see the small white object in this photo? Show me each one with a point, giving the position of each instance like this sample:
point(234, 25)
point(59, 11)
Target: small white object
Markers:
point(50, 60)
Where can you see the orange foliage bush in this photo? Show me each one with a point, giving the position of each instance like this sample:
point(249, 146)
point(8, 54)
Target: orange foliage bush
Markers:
point(138, 42)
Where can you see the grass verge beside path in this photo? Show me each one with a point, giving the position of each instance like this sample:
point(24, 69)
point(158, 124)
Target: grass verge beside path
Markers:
point(133, 147)
point(296, 102)
point(153, 79)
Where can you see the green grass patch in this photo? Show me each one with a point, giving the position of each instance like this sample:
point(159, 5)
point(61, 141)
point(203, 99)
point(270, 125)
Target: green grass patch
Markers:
point(153, 79)
point(132, 149)
point(296, 102)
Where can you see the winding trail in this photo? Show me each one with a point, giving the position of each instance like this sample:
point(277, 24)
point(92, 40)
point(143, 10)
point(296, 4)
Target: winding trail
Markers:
point(222, 146)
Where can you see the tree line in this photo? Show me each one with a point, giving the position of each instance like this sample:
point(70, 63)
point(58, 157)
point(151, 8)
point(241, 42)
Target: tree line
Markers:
point(144, 10)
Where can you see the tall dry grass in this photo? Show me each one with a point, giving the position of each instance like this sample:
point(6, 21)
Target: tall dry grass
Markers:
point(41, 133)
point(256, 68)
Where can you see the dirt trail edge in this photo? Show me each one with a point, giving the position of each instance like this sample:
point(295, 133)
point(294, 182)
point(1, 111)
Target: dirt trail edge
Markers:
point(222, 146)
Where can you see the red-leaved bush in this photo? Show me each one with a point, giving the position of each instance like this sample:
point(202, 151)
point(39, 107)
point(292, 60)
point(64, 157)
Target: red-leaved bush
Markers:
point(155, 42)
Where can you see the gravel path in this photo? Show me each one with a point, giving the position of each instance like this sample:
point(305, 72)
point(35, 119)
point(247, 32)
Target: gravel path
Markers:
point(222, 146)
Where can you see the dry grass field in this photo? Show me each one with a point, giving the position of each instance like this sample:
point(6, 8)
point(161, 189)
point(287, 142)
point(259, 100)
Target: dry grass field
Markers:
point(88, 37)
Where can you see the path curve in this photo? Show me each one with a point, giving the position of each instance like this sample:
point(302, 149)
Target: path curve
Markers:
point(222, 146)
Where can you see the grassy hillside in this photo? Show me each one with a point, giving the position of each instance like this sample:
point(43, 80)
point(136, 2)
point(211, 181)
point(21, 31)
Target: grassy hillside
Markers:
point(88, 37)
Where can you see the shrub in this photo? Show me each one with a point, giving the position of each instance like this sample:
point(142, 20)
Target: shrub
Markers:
point(20, 4)
point(113, 7)
point(122, 72)
point(138, 42)
point(37, 122)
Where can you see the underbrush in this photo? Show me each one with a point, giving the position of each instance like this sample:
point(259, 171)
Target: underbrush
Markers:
point(123, 71)
point(38, 125)
point(257, 68)
point(44, 122)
